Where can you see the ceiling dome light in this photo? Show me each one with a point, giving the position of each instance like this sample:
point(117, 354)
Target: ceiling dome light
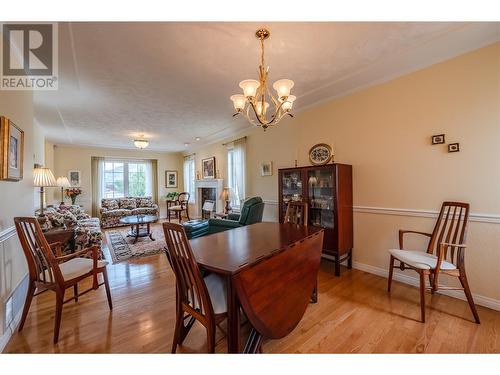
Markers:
point(141, 143)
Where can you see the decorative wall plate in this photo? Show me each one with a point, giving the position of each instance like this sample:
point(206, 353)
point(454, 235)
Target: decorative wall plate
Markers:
point(320, 154)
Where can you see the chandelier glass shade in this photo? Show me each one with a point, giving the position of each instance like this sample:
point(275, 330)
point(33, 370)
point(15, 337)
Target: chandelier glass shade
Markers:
point(257, 103)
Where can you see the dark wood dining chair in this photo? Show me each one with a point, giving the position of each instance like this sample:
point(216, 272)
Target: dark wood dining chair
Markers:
point(56, 272)
point(197, 298)
point(296, 213)
point(182, 206)
point(445, 254)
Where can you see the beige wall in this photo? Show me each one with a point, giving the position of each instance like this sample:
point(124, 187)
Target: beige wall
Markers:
point(16, 199)
point(79, 158)
point(384, 132)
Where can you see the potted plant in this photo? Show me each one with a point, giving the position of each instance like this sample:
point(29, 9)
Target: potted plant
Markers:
point(172, 196)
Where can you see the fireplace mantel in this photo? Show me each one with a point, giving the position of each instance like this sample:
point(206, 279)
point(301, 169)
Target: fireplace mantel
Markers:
point(217, 184)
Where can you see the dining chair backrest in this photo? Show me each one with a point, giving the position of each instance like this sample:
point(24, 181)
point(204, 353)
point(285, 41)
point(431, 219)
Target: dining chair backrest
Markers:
point(183, 199)
point(42, 264)
point(191, 287)
point(451, 227)
point(296, 213)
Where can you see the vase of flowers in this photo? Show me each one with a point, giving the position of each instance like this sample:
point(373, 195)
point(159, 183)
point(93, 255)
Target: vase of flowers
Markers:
point(73, 193)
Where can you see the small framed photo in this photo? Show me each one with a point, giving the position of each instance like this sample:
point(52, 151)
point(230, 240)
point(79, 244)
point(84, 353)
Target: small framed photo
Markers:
point(208, 167)
point(454, 147)
point(170, 179)
point(75, 178)
point(266, 168)
point(11, 151)
point(438, 139)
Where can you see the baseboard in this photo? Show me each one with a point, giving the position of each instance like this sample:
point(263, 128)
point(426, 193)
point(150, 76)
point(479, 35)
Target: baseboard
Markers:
point(488, 302)
point(9, 331)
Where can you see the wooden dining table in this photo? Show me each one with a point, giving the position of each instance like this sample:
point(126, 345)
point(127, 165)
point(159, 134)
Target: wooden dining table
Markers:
point(231, 252)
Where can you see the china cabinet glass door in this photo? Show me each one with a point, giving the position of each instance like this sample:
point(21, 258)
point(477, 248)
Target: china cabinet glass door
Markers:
point(321, 203)
point(292, 187)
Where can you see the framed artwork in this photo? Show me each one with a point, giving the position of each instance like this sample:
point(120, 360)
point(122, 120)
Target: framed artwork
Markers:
point(170, 179)
point(438, 139)
point(266, 168)
point(208, 167)
point(454, 147)
point(320, 154)
point(11, 150)
point(75, 178)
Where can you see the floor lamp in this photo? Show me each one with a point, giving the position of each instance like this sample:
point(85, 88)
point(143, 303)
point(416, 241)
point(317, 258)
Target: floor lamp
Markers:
point(43, 177)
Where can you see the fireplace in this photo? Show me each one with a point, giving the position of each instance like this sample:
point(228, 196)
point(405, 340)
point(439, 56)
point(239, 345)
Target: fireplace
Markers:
point(210, 189)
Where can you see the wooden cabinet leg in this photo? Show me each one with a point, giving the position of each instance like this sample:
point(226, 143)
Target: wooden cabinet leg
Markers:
point(349, 260)
point(337, 265)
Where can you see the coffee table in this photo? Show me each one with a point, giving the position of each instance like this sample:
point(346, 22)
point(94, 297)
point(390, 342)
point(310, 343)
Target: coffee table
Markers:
point(140, 226)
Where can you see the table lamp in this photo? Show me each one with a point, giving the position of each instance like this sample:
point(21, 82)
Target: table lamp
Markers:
point(226, 196)
point(43, 177)
point(63, 182)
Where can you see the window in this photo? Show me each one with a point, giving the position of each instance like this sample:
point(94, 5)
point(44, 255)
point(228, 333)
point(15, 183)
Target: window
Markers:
point(236, 171)
point(189, 177)
point(126, 179)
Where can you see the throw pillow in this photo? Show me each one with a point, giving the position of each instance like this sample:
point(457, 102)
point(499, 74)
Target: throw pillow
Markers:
point(128, 203)
point(144, 202)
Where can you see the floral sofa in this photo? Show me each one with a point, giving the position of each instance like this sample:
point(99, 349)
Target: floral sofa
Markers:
point(87, 229)
point(113, 209)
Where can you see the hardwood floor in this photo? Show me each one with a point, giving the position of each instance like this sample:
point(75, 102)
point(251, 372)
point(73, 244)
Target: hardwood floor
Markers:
point(354, 314)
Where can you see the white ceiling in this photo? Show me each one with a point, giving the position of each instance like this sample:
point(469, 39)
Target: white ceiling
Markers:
point(172, 81)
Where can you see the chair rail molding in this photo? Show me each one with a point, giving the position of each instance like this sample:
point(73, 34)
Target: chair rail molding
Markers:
point(7, 233)
point(476, 217)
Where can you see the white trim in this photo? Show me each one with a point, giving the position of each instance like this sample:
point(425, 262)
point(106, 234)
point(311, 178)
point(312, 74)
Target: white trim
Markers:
point(478, 217)
point(412, 280)
point(7, 233)
point(9, 331)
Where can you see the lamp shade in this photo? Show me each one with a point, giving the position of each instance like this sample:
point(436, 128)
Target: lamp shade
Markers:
point(141, 143)
point(63, 182)
point(258, 106)
point(43, 177)
point(238, 102)
point(249, 87)
point(283, 87)
point(287, 105)
point(226, 194)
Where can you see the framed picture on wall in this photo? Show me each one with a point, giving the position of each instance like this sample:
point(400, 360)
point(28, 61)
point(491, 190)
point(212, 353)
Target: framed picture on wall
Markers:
point(75, 178)
point(11, 151)
point(266, 168)
point(208, 167)
point(170, 179)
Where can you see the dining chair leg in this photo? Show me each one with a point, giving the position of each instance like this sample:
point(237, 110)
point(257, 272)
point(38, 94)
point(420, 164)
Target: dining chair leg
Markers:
point(57, 319)
point(187, 214)
point(391, 270)
point(106, 286)
point(422, 296)
point(431, 283)
point(468, 294)
point(211, 338)
point(75, 292)
point(29, 297)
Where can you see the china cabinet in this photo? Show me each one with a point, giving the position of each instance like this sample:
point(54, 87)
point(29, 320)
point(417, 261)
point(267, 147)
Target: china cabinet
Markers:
point(328, 191)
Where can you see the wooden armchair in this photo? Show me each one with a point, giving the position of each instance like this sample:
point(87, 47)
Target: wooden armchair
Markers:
point(182, 206)
point(444, 256)
point(197, 298)
point(56, 272)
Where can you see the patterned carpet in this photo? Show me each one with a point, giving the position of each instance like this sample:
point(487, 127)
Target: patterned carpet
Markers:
point(122, 247)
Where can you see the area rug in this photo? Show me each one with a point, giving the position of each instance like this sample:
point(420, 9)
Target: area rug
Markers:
point(122, 247)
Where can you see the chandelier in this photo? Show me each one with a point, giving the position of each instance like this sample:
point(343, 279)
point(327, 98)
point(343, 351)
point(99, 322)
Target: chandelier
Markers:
point(254, 101)
point(141, 143)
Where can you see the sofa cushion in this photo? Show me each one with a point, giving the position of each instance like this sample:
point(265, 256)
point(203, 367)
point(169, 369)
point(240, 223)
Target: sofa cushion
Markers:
point(109, 204)
point(144, 202)
point(127, 203)
point(144, 211)
point(118, 212)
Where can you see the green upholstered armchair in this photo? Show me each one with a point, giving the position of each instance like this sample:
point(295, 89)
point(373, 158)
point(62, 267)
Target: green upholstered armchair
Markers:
point(251, 212)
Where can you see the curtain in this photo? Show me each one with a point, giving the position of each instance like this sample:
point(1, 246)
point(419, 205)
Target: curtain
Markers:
point(154, 179)
point(239, 163)
point(97, 164)
point(189, 177)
